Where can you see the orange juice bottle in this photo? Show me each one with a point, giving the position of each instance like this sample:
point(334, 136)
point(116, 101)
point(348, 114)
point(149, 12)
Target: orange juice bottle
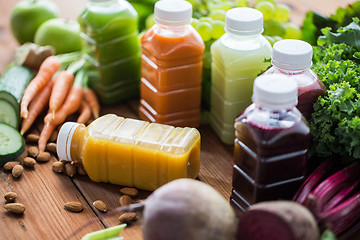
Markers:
point(131, 152)
point(171, 67)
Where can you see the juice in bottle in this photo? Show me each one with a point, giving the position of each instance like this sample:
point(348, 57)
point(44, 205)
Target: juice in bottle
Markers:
point(270, 151)
point(131, 152)
point(109, 30)
point(293, 58)
point(237, 58)
point(171, 67)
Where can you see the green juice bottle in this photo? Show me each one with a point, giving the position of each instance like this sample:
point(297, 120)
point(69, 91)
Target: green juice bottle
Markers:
point(112, 50)
point(237, 58)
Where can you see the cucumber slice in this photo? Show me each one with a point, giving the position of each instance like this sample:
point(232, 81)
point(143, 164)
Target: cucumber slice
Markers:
point(12, 86)
point(8, 114)
point(11, 144)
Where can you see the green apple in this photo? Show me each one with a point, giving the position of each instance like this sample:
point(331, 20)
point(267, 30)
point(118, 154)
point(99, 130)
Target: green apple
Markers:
point(28, 15)
point(62, 34)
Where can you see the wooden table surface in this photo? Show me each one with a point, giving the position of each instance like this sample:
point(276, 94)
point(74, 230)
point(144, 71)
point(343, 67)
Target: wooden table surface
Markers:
point(44, 192)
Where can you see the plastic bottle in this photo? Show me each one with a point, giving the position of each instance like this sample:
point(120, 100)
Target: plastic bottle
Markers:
point(109, 30)
point(237, 58)
point(293, 58)
point(171, 67)
point(131, 152)
point(272, 138)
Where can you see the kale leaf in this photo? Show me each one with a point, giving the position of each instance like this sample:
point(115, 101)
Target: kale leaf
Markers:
point(335, 123)
point(314, 22)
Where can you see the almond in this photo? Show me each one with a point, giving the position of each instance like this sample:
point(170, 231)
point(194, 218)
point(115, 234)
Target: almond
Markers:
point(33, 151)
point(32, 138)
point(100, 206)
point(125, 200)
point(58, 167)
point(70, 169)
point(51, 147)
point(132, 192)
point(127, 217)
point(43, 157)
point(29, 162)
point(76, 163)
point(10, 196)
point(81, 170)
point(16, 208)
point(9, 165)
point(63, 161)
point(17, 171)
point(74, 206)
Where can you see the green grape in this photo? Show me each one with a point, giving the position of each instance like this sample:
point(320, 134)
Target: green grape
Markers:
point(282, 13)
point(149, 22)
point(267, 9)
point(242, 3)
point(277, 38)
point(292, 31)
point(206, 19)
point(194, 22)
point(227, 5)
point(220, 5)
point(272, 1)
point(193, 2)
point(270, 39)
point(274, 28)
point(205, 30)
point(218, 29)
point(218, 14)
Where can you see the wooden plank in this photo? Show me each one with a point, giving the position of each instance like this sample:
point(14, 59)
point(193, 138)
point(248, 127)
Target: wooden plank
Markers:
point(43, 193)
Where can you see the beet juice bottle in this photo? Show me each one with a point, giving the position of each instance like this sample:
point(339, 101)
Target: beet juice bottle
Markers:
point(271, 141)
point(293, 58)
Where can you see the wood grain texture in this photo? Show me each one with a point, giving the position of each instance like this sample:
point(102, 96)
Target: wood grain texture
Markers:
point(44, 192)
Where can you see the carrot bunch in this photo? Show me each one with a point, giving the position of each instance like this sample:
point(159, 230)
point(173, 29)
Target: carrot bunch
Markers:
point(63, 92)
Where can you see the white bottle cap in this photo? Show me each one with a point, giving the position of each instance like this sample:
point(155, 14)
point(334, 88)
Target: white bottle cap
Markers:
point(275, 91)
point(173, 12)
point(291, 54)
point(63, 142)
point(244, 21)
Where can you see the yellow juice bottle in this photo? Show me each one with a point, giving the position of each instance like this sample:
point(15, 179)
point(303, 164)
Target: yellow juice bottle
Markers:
point(131, 152)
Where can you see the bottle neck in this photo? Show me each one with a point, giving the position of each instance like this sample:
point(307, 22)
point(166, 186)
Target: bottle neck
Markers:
point(291, 72)
point(77, 144)
point(240, 36)
point(272, 118)
point(171, 31)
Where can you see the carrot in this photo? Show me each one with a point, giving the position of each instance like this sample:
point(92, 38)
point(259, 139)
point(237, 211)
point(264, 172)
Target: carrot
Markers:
point(45, 135)
point(36, 106)
point(62, 85)
point(47, 69)
point(85, 112)
point(93, 101)
point(71, 105)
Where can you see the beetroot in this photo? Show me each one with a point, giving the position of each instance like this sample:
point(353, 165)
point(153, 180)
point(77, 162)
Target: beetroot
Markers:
point(187, 209)
point(277, 220)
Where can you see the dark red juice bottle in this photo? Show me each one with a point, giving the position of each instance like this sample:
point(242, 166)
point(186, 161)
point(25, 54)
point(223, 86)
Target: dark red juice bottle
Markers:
point(293, 58)
point(271, 142)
